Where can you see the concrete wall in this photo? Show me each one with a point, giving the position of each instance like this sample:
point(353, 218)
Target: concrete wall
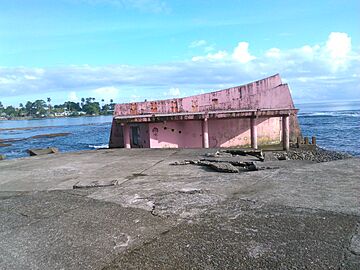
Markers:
point(236, 132)
point(176, 134)
point(268, 93)
point(222, 133)
point(117, 136)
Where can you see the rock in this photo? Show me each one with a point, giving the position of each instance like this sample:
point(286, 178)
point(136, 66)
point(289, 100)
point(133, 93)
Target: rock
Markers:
point(95, 184)
point(184, 162)
point(219, 154)
point(4, 144)
point(243, 152)
point(43, 151)
point(223, 167)
point(51, 135)
point(316, 154)
point(2, 157)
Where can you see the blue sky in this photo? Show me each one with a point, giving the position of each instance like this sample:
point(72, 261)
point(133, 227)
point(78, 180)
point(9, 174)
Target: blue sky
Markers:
point(131, 50)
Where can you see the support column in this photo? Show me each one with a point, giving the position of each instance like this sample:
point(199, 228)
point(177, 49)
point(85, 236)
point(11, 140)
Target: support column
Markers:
point(253, 133)
point(205, 133)
point(126, 134)
point(286, 132)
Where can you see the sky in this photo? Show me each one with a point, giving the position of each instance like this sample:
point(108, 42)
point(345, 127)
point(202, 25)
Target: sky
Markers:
point(131, 50)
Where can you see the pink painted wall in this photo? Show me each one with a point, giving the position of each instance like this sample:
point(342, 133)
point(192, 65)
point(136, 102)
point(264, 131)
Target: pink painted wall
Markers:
point(236, 132)
point(222, 133)
point(176, 134)
point(268, 93)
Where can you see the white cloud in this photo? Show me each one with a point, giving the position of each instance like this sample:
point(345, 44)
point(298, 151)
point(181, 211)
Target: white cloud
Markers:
point(106, 93)
point(241, 53)
point(273, 53)
point(197, 43)
point(30, 77)
point(338, 48)
point(209, 48)
point(72, 97)
point(211, 56)
point(314, 71)
point(173, 92)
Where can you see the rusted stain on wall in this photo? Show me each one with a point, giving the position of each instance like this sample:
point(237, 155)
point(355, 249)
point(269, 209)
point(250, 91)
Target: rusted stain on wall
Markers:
point(265, 94)
point(133, 109)
point(194, 105)
point(154, 108)
point(174, 106)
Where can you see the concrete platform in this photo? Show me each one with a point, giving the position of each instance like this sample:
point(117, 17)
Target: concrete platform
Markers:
point(158, 216)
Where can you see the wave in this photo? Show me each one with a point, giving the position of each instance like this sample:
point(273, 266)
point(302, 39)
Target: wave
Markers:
point(331, 114)
point(101, 146)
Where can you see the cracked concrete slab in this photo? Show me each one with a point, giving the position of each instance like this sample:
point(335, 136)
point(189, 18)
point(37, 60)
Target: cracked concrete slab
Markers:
point(239, 234)
point(57, 230)
point(158, 214)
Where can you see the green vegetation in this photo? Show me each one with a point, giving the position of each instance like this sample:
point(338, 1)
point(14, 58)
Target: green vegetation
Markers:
point(41, 108)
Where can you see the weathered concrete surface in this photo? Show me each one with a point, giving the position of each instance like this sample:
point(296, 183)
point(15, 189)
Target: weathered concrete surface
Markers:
point(158, 216)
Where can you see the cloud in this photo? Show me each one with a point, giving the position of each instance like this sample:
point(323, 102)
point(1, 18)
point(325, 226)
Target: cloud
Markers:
point(241, 53)
point(338, 48)
point(314, 71)
point(211, 56)
point(197, 43)
point(273, 53)
point(173, 92)
point(72, 97)
point(106, 93)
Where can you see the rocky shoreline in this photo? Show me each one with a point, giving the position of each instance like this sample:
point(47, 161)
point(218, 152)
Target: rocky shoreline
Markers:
point(316, 154)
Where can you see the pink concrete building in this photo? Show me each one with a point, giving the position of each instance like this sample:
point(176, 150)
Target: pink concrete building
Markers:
point(258, 113)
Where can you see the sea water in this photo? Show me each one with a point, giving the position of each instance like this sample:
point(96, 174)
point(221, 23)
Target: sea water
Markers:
point(336, 126)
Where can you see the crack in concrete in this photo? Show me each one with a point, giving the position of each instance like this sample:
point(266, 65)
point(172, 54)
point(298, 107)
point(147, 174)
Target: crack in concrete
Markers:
point(131, 177)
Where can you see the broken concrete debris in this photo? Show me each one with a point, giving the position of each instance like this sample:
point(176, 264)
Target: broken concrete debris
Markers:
point(237, 152)
point(243, 152)
point(220, 166)
point(221, 161)
point(42, 151)
point(95, 184)
point(316, 154)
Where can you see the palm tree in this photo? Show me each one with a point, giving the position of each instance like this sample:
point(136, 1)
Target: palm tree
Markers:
point(49, 105)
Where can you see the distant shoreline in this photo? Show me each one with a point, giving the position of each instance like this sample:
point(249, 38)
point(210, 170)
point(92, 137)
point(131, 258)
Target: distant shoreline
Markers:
point(49, 117)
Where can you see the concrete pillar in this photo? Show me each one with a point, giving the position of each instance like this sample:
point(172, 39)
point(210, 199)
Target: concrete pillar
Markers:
point(253, 133)
point(126, 133)
point(299, 141)
point(286, 132)
point(205, 133)
point(306, 140)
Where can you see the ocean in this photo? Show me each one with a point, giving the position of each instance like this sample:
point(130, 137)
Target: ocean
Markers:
point(335, 124)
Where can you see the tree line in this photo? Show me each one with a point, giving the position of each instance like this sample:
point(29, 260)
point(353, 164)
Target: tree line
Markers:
point(41, 108)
